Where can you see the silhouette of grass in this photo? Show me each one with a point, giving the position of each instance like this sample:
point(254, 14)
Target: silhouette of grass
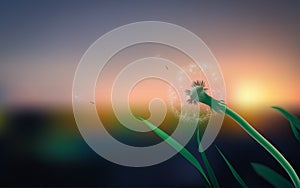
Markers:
point(208, 167)
point(294, 121)
point(271, 176)
point(178, 147)
point(198, 95)
point(232, 170)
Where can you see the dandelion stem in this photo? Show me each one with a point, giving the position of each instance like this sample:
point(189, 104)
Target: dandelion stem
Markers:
point(198, 94)
point(266, 144)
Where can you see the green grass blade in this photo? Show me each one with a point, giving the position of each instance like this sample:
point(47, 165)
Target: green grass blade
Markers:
point(265, 144)
point(294, 121)
point(296, 133)
point(271, 176)
point(233, 171)
point(208, 167)
point(178, 147)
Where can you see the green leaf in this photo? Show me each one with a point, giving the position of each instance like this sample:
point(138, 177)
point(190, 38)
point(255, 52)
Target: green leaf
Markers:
point(294, 121)
point(271, 176)
point(208, 167)
point(233, 171)
point(178, 147)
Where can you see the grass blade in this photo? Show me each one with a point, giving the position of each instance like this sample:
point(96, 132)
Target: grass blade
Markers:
point(294, 121)
point(208, 167)
point(233, 171)
point(178, 147)
point(271, 176)
point(265, 144)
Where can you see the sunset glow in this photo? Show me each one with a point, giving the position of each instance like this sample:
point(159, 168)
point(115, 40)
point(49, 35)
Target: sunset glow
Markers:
point(251, 94)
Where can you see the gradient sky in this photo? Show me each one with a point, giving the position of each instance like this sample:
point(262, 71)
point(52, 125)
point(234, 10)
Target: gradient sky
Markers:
point(257, 44)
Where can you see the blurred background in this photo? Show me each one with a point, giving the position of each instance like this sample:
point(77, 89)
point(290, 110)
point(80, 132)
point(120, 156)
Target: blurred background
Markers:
point(256, 43)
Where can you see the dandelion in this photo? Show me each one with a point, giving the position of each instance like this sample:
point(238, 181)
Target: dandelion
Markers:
point(198, 95)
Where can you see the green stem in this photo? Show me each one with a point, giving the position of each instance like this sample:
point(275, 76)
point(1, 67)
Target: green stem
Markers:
point(266, 144)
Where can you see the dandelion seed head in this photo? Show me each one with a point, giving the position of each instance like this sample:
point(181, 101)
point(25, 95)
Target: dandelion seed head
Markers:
point(174, 102)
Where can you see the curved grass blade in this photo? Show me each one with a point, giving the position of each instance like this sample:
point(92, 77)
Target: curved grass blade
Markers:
point(294, 121)
point(265, 144)
point(233, 171)
point(220, 107)
point(207, 165)
point(271, 176)
point(178, 147)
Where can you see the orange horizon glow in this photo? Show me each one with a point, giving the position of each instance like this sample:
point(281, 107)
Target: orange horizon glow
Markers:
point(255, 76)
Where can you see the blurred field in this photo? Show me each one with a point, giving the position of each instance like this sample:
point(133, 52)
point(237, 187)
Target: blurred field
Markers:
point(44, 148)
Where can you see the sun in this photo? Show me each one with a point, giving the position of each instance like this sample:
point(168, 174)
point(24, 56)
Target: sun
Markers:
point(251, 94)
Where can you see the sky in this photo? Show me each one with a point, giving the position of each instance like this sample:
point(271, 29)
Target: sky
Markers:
point(256, 44)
